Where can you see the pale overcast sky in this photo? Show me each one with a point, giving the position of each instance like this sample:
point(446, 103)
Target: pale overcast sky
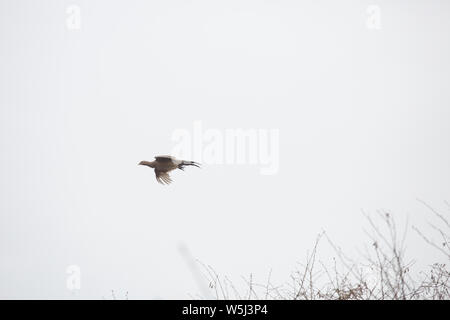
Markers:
point(361, 105)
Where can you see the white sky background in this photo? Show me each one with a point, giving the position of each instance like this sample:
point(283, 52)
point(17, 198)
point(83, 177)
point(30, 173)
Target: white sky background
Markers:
point(363, 118)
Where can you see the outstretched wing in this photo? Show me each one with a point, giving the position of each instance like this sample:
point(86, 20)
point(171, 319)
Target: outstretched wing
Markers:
point(162, 177)
point(164, 158)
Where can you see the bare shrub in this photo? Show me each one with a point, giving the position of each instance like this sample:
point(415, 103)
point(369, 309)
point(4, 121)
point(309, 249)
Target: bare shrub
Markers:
point(381, 272)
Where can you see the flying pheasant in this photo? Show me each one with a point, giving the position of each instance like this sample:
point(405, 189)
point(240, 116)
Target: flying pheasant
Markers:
point(164, 164)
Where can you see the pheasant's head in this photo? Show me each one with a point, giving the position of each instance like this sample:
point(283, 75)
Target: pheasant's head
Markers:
point(146, 163)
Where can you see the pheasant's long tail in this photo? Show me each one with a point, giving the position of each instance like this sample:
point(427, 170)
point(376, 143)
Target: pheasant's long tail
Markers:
point(185, 163)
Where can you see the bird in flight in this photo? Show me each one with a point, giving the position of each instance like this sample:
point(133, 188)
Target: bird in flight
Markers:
point(164, 164)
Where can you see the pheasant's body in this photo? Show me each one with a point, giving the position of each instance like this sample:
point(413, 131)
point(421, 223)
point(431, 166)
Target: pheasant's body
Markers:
point(164, 164)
